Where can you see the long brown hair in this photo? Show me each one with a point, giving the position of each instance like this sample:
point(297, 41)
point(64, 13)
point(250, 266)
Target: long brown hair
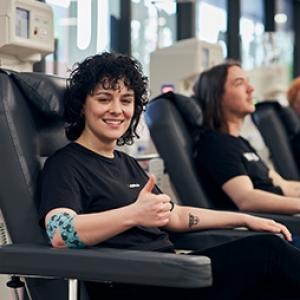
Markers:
point(209, 90)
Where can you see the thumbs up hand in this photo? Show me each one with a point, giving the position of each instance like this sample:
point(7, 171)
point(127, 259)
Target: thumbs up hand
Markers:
point(148, 187)
point(152, 210)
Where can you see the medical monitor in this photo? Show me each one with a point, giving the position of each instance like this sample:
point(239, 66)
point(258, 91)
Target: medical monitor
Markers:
point(178, 66)
point(26, 28)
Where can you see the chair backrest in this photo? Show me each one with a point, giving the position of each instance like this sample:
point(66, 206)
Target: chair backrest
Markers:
point(278, 125)
point(31, 128)
point(171, 119)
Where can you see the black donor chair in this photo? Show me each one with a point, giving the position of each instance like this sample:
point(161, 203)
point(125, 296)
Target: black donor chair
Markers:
point(280, 129)
point(31, 128)
point(172, 120)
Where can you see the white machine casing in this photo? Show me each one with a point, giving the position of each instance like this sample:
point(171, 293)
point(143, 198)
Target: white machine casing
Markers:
point(26, 31)
point(270, 82)
point(178, 66)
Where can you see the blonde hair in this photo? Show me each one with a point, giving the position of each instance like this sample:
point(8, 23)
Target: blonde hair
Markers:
point(293, 90)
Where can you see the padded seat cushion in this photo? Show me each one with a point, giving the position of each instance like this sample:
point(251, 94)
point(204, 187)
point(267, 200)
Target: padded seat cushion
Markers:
point(188, 108)
point(43, 91)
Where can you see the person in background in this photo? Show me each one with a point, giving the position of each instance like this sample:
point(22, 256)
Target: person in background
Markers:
point(293, 95)
point(94, 195)
point(233, 174)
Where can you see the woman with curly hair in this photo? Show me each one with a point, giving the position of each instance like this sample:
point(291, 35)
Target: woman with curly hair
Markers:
point(94, 195)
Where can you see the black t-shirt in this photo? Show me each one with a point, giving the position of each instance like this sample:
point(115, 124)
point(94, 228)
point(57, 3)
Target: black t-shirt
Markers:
point(220, 157)
point(78, 178)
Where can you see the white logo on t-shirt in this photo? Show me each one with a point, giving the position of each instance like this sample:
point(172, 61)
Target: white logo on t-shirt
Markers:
point(251, 156)
point(133, 185)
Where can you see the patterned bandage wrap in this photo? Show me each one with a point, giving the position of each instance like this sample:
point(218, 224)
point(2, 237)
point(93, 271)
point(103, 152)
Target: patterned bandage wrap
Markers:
point(64, 222)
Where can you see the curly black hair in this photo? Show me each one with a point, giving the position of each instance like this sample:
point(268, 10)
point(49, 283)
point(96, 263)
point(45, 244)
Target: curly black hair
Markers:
point(106, 69)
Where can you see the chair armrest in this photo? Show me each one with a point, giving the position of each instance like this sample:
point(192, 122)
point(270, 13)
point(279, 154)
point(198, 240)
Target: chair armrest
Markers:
point(201, 240)
point(105, 264)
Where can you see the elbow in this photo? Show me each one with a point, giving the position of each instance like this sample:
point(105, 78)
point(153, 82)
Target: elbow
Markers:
point(57, 241)
point(244, 204)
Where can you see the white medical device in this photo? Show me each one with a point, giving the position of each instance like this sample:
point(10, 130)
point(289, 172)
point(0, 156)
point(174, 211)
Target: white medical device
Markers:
point(26, 31)
point(270, 82)
point(176, 68)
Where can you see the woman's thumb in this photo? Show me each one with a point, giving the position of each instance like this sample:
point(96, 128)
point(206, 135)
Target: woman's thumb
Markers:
point(148, 187)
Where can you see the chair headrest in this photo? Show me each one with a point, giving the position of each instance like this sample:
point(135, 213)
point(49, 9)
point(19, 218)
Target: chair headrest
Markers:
point(45, 92)
point(187, 106)
point(288, 117)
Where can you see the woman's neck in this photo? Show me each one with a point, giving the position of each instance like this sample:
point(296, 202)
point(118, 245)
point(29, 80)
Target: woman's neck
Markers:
point(103, 149)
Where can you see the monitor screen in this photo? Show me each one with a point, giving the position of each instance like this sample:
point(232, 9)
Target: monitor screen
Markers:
point(22, 23)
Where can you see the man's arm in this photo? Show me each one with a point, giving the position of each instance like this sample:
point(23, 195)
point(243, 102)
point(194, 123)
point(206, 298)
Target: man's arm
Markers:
point(289, 187)
point(185, 218)
point(240, 189)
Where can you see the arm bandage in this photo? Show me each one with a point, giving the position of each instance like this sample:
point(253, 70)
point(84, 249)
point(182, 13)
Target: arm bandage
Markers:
point(64, 222)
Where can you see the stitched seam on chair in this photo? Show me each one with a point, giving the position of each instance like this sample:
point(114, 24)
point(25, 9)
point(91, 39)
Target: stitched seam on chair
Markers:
point(13, 136)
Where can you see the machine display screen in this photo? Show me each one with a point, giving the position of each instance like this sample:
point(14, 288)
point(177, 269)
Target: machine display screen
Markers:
point(22, 23)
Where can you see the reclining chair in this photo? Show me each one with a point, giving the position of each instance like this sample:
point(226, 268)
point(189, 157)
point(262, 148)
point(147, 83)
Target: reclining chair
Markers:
point(279, 127)
point(172, 120)
point(31, 128)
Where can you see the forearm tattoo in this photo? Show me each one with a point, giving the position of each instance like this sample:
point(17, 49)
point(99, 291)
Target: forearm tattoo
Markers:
point(193, 220)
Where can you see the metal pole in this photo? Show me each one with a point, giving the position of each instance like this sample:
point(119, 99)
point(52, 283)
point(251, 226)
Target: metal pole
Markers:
point(73, 289)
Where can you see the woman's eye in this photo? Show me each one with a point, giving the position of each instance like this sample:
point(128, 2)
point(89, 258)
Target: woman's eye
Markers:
point(127, 101)
point(103, 99)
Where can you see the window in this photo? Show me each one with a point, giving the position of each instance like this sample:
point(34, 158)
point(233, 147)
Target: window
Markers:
point(153, 26)
point(81, 28)
point(211, 22)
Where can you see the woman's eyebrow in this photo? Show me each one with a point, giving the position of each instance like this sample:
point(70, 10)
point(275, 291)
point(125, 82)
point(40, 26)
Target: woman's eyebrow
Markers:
point(98, 92)
point(129, 94)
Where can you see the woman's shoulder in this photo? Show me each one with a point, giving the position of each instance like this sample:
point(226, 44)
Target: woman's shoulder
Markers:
point(62, 157)
point(121, 155)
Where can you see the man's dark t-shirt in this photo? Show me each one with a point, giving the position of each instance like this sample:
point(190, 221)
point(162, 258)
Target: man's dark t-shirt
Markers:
point(221, 157)
point(82, 180)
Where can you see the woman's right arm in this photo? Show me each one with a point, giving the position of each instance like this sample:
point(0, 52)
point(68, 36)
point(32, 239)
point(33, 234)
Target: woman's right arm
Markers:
point(148, 210)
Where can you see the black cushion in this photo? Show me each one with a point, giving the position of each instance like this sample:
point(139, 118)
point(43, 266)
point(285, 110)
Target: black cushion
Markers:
point(287, 115)
point(44, 91)
point(290, 120)
point(187, 106)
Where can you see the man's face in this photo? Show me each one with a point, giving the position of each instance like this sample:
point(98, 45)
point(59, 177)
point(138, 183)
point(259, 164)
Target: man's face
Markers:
point(237, 99)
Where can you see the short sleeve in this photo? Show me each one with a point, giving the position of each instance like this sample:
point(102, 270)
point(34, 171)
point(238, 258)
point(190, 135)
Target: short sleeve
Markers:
point(219, 156)
point(58, 187)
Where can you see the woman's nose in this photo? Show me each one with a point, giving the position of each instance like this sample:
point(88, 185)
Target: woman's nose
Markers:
point(115, 107)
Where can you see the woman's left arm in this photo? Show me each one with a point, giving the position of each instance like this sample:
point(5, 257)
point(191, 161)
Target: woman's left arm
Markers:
point(289, 187)
point(185, 218)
